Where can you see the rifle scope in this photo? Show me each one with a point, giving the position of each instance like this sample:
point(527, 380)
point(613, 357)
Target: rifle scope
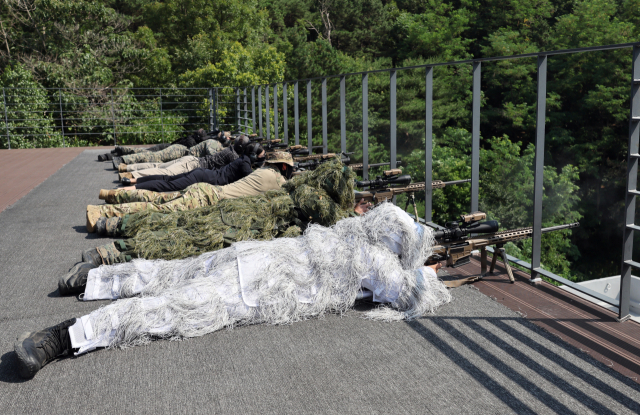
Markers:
point(404, 180)
point(457, 233)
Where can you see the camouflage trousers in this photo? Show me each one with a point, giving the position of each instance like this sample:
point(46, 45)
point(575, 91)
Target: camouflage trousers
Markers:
point(121, 196)
point(170, 153)
point(122, 250)
point(195, 196)
point(117, 252)
point(182, 165)
point(130, 150)
point(144, 166)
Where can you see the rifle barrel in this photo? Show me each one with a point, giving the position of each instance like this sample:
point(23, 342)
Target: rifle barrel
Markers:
point(559, 227)
point(457, 182)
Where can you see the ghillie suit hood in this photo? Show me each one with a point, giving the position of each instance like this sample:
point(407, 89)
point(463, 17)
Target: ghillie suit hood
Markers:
point(323, 196)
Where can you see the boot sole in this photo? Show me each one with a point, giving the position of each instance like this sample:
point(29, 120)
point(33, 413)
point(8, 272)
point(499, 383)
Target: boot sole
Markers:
point(26, 367)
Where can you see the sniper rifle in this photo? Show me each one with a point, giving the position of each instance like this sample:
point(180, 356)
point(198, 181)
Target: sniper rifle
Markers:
point(393, 183)
point(459, 239)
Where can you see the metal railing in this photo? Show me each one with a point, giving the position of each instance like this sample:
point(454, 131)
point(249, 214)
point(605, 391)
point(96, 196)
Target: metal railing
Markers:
point(45, 117)
point(229, 107)
point(542, 57)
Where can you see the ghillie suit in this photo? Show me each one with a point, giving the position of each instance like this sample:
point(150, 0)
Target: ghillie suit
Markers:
point(323, 196)
point(275, 282)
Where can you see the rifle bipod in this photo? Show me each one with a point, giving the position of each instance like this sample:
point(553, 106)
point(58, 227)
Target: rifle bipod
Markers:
point(499, 250)
point(412, 199)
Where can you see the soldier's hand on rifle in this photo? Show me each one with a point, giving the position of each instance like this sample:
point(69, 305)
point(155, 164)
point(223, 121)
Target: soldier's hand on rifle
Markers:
point(362, 207)
point(436, 266)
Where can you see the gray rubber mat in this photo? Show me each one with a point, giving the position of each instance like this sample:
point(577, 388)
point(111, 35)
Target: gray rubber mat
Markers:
point(474, 356)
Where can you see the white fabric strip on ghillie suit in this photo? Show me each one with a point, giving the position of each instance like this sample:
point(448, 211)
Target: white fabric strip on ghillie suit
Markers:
point(322, 196)
point(276, 282)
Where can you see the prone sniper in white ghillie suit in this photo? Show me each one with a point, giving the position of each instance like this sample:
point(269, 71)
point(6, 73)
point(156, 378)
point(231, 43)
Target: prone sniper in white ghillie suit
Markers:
point(279, 281)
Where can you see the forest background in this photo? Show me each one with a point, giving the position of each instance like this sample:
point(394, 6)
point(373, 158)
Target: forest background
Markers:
point(207, 43)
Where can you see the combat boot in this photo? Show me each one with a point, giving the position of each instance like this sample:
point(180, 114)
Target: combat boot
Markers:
point(93, 214)
point(102, 157)
point(122, 168)
point(36, 349)
point(125, 174)
point(126, 181)
point(105, 194)
point(116, 162)
point(92, 256)
point(101, 226)
point(75, 281)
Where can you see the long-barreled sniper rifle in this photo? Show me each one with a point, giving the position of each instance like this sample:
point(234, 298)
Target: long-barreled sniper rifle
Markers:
point(460, 238)
point(393, 183)
point(310, 162)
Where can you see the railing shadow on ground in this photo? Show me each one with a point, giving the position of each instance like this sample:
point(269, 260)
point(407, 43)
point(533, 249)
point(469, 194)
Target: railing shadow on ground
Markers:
point(505, 331)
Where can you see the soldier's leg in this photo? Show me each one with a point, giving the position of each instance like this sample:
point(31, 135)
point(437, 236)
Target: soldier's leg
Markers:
point(170, 153)
point(144, 166)
point(182, 165)
point(195, 196)
point(118, 252)
point(123, 150)
point(118, 196)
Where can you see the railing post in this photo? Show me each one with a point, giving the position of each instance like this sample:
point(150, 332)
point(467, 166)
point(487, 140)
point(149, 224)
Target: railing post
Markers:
point(6, 119)
point(266, 102)
point(365, 126)
point(343, 122)
point(62, 118)
point(238, 110)
point(475, 136)
point(428, 144)
point(392, 115)
point(309, 130)
point(539, 168)
point(260, 108)
point(246, 112)
point(253, 109)
point(210, 109)
point(275, 111)
point(296, 114)
point(632, 192)
point(215, 108)
point(161, 116)
point(285, 118)
point(324, 115)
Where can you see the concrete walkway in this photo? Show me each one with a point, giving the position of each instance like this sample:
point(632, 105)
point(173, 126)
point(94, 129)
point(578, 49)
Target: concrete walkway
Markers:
point(474, 356)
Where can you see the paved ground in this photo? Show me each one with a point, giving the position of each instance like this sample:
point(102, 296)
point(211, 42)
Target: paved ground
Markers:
point(474, 356)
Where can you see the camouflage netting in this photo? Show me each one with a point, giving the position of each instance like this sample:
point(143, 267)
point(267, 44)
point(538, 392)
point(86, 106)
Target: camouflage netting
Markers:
point(322, 196)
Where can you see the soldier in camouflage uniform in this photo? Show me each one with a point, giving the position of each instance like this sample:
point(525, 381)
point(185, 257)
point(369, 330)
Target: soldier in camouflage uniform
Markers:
point(270, 177)
point(174, 152)
point(330, 198)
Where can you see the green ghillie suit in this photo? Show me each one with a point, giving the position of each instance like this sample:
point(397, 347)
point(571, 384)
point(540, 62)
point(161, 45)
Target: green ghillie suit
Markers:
point(322, 196)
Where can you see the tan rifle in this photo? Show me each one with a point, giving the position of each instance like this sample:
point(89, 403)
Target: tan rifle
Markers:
point(457, 242)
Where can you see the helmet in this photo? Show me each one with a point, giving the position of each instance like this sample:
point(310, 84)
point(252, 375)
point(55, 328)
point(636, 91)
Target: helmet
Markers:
point(280, 157)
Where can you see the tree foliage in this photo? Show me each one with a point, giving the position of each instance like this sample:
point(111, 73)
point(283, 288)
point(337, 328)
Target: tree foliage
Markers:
point(104, 44)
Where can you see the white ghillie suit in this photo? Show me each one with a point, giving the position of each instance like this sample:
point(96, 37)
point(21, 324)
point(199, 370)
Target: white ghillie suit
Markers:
point(279, 281)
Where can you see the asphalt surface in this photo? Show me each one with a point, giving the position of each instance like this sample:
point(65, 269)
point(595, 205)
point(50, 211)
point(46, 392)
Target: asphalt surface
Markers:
point(473, 356)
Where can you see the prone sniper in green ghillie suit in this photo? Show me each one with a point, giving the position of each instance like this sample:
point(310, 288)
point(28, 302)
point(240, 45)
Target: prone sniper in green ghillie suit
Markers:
point(323, 196)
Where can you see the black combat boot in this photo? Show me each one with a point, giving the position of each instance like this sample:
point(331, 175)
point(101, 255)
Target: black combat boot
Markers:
point(92, 256)
point(38, 348)
point(126, 181)
point(116, 162)
point(76, 279)
point(101, 227)
point(105, 157)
